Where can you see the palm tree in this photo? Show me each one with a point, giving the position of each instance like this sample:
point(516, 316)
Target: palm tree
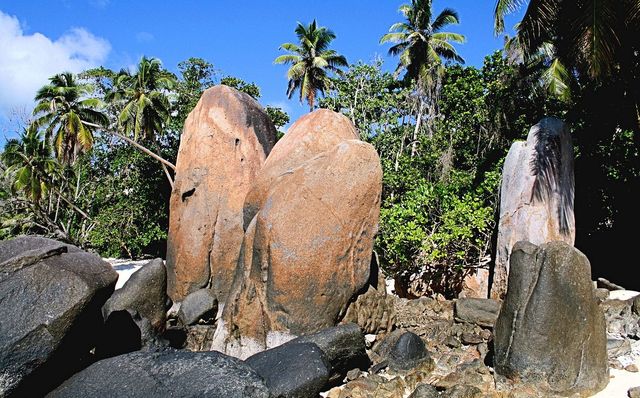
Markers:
point(310, 61)
point(420, 42)
point(586, 37)
point(144, 93)
point(68, 115)
point(29, 161)
point(421, 46)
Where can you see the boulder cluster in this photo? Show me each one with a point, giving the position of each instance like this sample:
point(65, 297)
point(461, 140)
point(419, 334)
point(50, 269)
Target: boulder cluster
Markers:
point(269, 288)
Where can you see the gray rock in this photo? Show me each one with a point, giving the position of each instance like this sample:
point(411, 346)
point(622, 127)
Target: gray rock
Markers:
point(425, 391)
point(292, 370)
point(536, 197)
point(201, 304)
point(551, 331)
point(463, 391)
point(636, 305)
point(135, 315)
point(407, 353)
point(343, 346)
point(634, 392)
point(175, 374)
point(50, 300)
point(483, 312)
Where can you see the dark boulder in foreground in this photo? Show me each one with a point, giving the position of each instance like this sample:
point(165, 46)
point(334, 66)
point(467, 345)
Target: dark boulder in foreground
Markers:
point(135, 315)
point(296, 370)
point(344, 347)
point(51, 295)
point(551, 331)
point(175, 374)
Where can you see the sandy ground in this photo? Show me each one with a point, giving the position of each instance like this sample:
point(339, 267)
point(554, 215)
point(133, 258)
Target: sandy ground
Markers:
point(620, 382)
point(124, 268)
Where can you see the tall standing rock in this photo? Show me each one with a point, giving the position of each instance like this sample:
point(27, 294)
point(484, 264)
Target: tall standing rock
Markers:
point(536, 197)
point(306, 252)
point(311, 135)
point(225, 142)
point(550, 331)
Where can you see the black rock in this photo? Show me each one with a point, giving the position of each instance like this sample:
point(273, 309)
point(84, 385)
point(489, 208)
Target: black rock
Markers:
point(343, 346)
point(50, 300)
point(408, 352)
point(201, 304)
point(551, 330)
point(135, 315)
point(175, 374)
point(482, 312)
point(298, 370)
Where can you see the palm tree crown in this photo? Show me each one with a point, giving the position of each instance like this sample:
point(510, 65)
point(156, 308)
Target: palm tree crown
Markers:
point(66, 111)
point(419, 40)
point(310, 60)
point(144, 94)
point(30, 163)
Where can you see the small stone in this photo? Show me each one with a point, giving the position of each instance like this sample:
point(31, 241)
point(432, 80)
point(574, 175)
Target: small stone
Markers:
point(482, 312)
point(471, 338)
point(452, 342)
point(425, 391)
point(463, 391)
point(408, 352)
point(353, 374)
point(634, 392)
point(631, 368)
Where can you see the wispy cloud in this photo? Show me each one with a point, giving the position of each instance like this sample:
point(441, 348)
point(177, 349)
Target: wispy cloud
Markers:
point(144, 37)
point(28, 60)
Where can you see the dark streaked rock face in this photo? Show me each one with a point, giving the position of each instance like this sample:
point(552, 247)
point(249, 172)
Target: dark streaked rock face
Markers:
point(551, 331)
point(165, 374)
point(537, 195)
point(51, 296)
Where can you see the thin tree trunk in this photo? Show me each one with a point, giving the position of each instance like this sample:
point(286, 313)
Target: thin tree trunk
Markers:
point(414, 141)
point(135, 144)
point(166, 172)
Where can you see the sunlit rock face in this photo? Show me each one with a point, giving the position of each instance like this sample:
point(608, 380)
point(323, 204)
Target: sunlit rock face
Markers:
point(536, 197)
point(225, 141)
point(307, 249)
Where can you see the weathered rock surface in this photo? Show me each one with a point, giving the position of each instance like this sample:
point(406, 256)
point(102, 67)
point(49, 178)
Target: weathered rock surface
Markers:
point(135, 315)
point(50, 300)
point(551, 331)
point(476, 284)
point(199, 305)
point(309, 136)
point(306, 252)
point(536, 197)
point(483, 312)
point(374, 309)
point(165, 374)
point(225, 142)
point(296, 370)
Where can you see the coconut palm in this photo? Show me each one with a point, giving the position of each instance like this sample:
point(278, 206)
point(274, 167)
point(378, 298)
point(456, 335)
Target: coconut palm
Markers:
point(587, 36)
point(68, 115)
point(421, 46)
point(420, 42)
point(310, 61)
point(30, 163)
point(144, 93)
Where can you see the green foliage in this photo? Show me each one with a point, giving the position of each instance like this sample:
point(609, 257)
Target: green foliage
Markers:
point(242, 86)
point(129, 196)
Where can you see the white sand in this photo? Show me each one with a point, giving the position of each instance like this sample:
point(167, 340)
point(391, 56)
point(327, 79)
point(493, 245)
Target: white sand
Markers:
point(124, 268)
point(620, 382)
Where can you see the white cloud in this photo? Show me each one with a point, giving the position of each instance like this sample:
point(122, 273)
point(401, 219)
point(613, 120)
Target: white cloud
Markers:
point(28, 60)
point(144, 37)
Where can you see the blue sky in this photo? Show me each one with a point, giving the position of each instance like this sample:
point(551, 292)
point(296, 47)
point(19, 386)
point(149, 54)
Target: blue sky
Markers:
point(241, 38)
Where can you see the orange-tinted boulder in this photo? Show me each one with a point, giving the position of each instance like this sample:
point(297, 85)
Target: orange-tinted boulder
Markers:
point(309, 136)
point(225, 142)
point(307, 251)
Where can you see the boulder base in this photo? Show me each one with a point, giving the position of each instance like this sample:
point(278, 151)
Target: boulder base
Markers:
point(551, 331)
